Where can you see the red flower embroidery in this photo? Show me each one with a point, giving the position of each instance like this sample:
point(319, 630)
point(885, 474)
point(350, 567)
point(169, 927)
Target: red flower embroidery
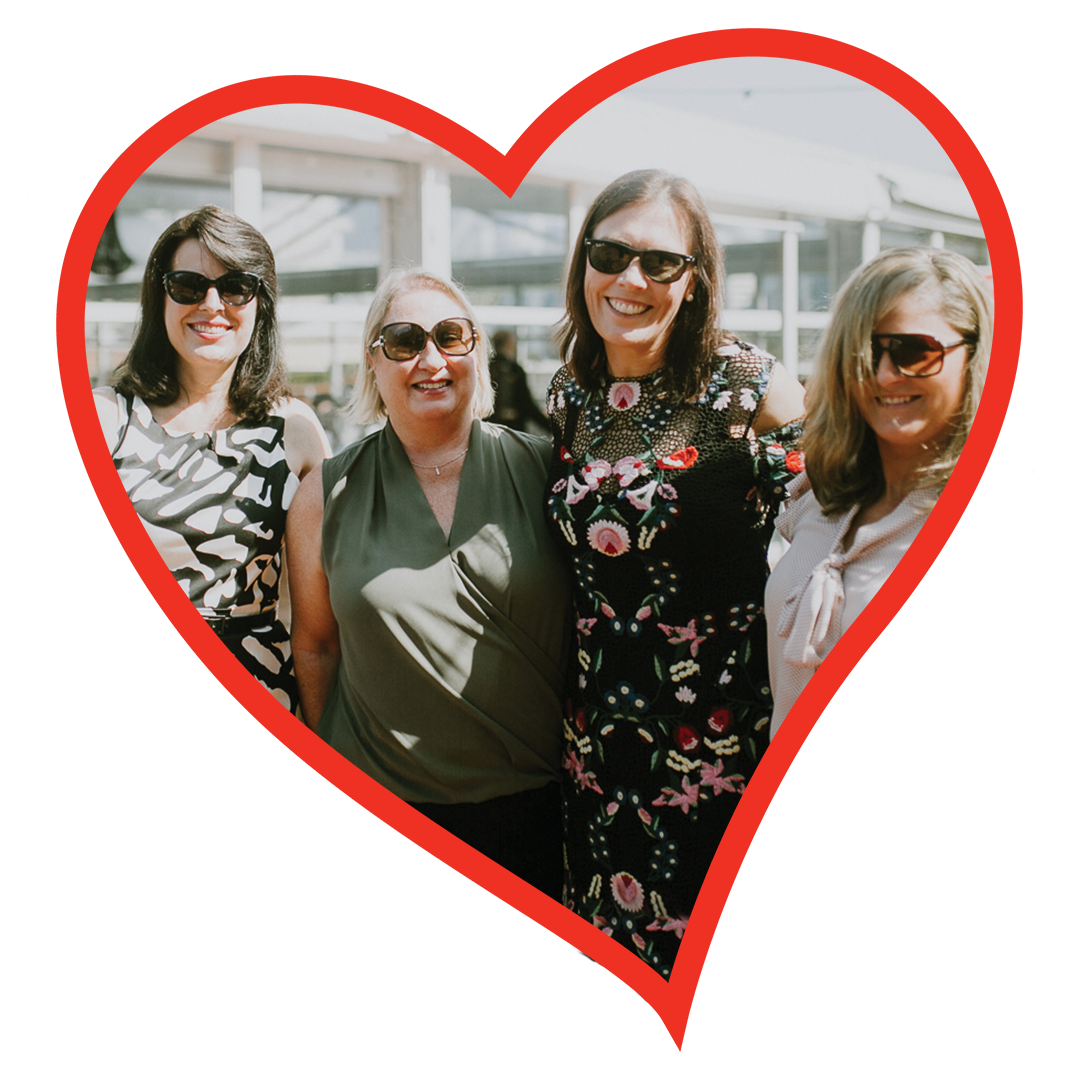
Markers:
point(687, 738)
point(795, 461)
point(566, 455)
point(681, 459)
point(720, 720)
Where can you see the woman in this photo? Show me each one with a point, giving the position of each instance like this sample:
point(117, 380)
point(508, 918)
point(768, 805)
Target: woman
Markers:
point(898, 379)
point(430, 607)
point(673, 444)
point(208, 443)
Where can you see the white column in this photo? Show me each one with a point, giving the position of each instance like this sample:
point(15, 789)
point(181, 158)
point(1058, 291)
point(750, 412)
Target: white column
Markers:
point(937, 240)
point(871, 240)
point(789, 300)
point(435, 220)
point(247, 181)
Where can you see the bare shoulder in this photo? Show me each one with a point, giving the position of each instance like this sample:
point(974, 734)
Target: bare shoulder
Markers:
point(783, 401)
point(306, 444)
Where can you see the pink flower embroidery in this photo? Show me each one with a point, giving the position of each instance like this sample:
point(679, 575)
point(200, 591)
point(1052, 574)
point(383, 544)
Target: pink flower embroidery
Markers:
point(594, 472)
point(688, 798)
point(678, 634)
point(710, 777)
point(624, 395)
point(641, 498)
point(678, 925)
point(628, 469)
point(585, 780)
point(627, 892)
point(585, 626)
point(609, 538)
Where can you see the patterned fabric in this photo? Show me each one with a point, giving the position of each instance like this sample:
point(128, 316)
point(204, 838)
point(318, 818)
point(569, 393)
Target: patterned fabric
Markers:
point(214, 505)
point(664, 511)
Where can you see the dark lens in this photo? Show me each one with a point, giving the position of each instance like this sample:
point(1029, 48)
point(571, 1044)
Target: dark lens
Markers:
point(911, 354)
point(237, 289)
point(453, 336)
point(608, 258)
point(403, 340)
point(185, 286)
point(662, 266)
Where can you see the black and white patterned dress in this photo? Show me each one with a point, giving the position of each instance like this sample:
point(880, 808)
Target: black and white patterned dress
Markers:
point(214, 504)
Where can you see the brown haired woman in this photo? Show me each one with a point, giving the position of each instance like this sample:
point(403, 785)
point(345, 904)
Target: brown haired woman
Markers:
point(898, 378)
point(673, 445)
point(207, 440)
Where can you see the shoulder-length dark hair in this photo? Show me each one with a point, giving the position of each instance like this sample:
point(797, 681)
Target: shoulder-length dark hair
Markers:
point(842, 457)
point(695, 332)
point(260, 379)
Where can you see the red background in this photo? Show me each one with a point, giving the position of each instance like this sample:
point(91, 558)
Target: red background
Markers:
point(241, 901)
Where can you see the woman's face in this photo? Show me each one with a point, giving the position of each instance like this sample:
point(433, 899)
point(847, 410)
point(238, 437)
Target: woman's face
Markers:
point(431, 388)
point(209, 336)
point(631, 312)
point(909, 415)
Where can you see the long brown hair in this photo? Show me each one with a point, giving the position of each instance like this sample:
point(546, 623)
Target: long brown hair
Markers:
point(695, 332)
point(260, 378)
point(842, 457)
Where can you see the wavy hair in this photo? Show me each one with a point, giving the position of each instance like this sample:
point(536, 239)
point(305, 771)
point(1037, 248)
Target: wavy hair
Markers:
point(842, 457)
point(695, 331)
point(366, 405)
point(260, 378)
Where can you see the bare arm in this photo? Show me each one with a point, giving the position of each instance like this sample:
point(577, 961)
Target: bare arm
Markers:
point(306, 444)
point(315, 644)
point(783, 401)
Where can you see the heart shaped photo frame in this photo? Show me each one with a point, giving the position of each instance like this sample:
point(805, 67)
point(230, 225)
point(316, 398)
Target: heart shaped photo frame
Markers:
point(246, 899)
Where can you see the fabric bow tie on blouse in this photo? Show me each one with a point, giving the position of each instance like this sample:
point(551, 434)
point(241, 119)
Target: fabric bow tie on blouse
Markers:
point(807, 616)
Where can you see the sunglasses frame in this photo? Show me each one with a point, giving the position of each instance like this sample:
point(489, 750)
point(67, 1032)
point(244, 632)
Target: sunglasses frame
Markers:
point(429, 335)
point(686, 261)
point(933, 346)
point(211, 283)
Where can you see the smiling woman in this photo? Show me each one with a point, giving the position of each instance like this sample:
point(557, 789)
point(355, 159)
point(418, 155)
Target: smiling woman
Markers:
point(897, 380)
point(430, 612)
point(206, 439)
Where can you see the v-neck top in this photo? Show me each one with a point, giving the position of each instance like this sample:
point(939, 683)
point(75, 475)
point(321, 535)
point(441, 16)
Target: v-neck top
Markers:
point(452, 648)
point(818, 589)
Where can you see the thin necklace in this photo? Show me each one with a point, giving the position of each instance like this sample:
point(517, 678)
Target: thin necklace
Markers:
point(416, 465)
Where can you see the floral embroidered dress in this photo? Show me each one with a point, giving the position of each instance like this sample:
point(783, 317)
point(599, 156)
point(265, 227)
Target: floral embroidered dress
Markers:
point(664, 512)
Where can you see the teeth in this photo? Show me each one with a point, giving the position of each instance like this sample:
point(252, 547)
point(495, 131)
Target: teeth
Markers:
point(895, 400)
point(431, 385)
point(626, 307)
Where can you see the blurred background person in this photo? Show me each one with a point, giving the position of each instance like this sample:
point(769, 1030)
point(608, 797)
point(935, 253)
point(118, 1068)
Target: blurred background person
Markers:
point(431, 608)
point(673, 445)
point(898, 378)
point(514, 404)
point(207, 440)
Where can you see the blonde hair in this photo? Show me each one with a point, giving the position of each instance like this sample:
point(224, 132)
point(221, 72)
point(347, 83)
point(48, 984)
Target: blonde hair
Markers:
point(842, 457)
point(366, 405)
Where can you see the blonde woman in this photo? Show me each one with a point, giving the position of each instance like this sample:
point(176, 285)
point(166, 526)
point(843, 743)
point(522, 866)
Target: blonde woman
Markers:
point(431, 609)
point(898, 378)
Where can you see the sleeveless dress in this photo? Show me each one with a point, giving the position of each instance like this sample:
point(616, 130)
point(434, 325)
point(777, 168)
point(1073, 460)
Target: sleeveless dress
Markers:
point(214, 505)
point(664, 512)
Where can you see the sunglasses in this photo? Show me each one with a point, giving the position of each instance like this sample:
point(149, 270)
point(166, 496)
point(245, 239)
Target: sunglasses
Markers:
point(611, 257)
point(915, 356)
point(404, 340)
point(235, 288)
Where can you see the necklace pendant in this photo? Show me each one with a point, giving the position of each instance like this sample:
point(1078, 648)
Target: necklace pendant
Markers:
point(437, 473)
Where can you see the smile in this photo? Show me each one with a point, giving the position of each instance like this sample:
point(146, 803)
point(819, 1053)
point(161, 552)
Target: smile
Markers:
point(892, 401)
point(431, 385)
point(626, 307)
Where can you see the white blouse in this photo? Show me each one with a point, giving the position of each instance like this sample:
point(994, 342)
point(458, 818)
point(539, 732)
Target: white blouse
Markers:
point(818, 590)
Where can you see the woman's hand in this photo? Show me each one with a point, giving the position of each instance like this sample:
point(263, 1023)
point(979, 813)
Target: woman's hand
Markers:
point(783, 401)
point(315, 644)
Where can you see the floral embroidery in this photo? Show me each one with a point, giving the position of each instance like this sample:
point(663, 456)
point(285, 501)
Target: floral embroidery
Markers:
point(681, 459)
point(624, 395)
point(609, 537)
point(627, 892)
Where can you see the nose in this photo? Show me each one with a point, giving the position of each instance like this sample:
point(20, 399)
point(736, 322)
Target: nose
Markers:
point(212, 300)
point(430, 356)
point(633, 275)
point(887, 371)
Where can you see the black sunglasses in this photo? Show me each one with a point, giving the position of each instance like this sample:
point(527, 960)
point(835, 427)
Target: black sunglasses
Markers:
point(915, 356)
point(235, 288)
point(404, 340)
point(611, 257)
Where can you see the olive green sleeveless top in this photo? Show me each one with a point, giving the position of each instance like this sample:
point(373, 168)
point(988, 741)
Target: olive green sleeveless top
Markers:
point(452, 651)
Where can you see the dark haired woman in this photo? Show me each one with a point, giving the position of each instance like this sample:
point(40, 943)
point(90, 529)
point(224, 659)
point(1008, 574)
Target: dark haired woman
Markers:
point(673, 445)
point(206, 439)
point(899, 375)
